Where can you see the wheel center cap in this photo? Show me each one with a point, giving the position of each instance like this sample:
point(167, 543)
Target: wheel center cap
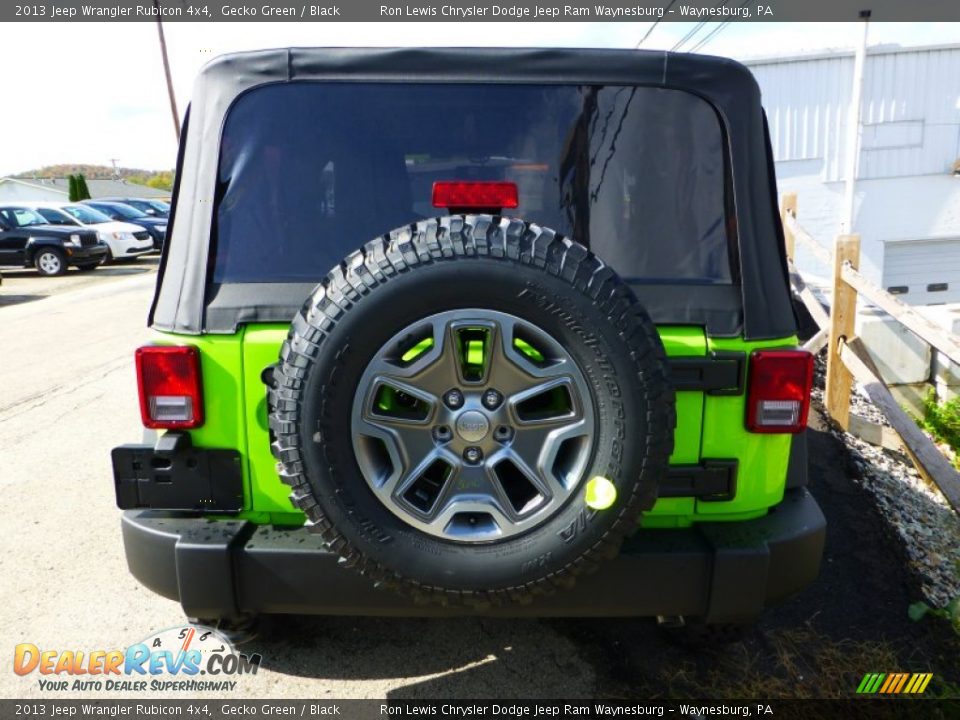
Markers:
point(472, 426)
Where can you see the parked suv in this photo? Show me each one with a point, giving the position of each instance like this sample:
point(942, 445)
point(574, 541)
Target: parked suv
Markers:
point(121, 212)
point(526, 349)
point(123, 240)
point(26, 239)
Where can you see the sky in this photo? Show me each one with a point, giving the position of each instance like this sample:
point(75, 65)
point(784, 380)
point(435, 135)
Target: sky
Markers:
point(95, 92)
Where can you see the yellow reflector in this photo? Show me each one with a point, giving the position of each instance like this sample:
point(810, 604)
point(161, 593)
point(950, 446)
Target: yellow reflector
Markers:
point(601, 493)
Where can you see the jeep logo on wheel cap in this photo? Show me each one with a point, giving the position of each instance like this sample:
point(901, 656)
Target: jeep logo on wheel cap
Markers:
point(472, 426)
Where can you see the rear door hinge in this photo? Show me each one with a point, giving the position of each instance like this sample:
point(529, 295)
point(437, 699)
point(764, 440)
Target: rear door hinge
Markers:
point(709, 481)
point(719, 373)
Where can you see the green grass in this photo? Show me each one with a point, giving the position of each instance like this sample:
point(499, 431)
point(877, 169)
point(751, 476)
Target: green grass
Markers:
point(950, 613)
point(942, 421)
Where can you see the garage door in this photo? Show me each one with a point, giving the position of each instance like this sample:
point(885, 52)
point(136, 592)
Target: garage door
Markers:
point(923, 272)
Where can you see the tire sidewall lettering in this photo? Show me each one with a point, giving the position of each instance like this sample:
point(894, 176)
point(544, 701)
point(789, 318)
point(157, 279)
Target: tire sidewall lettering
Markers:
point(346, 323)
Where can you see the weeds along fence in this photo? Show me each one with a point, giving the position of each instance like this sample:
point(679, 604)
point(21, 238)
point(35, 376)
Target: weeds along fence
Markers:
point(847, 356)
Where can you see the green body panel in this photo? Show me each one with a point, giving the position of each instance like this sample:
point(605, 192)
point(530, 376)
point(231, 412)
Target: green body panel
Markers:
point(221, 368)
point(719, 434)
point(227, 412)
point(681, 342)
point(261, 347)
point(686, 342)
point(763, 458)
point(708, 427)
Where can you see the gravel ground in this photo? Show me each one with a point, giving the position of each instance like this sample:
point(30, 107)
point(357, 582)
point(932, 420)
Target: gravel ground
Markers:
point(920, 514)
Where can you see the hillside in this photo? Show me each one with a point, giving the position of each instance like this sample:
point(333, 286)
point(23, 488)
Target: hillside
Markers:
point(161, 179)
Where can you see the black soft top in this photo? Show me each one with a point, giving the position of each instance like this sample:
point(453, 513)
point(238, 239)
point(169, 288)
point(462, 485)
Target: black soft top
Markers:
point(757, 306)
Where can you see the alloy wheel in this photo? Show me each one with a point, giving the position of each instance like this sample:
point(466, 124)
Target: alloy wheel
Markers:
point(473, 425)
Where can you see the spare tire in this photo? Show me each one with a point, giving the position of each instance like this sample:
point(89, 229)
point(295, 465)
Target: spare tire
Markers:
point(446, 397)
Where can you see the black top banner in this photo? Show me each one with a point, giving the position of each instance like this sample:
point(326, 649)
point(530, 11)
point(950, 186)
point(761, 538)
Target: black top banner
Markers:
point(480, 10)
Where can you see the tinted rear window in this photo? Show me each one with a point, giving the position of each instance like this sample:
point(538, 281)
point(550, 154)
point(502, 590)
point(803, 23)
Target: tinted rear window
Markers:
point(310, 171)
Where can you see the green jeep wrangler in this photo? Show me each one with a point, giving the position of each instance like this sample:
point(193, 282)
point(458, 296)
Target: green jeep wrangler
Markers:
point(550, 367)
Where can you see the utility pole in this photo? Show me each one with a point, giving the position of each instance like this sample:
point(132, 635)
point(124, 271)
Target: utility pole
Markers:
point(166, 70)
point(853, 128)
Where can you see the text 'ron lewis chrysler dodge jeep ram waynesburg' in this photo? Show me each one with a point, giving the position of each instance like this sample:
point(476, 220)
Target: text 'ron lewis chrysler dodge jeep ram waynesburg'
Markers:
point(550, 367)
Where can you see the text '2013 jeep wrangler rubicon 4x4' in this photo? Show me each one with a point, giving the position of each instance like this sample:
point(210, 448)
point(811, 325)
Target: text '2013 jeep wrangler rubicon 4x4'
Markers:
point(550, 367)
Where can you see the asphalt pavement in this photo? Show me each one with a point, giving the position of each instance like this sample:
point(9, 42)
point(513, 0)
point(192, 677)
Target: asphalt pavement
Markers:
point(67, 396)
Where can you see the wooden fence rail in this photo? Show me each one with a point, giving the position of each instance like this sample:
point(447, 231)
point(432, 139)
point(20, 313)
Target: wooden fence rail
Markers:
point(925, 455)
point(791, 226)
point(847, 357)
point(946, 342)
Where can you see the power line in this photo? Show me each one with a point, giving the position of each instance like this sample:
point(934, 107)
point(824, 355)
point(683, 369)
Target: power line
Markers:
point(712, 34)
point(697, 27)
point(654, 25)
point(650, 29)
point(716, 31)
point(689, 35)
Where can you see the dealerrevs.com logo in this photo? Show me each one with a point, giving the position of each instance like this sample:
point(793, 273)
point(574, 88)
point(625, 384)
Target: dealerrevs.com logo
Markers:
point(190, 659)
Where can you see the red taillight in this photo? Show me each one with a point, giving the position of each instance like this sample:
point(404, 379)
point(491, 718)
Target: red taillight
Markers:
point(778, 397)
point(475, 195)
point(168, 379)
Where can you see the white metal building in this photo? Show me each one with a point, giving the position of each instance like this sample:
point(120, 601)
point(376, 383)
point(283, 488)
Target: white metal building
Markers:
point(907, 201)
point(33, 189)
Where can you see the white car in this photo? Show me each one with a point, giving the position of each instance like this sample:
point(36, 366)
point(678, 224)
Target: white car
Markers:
point(124, 240)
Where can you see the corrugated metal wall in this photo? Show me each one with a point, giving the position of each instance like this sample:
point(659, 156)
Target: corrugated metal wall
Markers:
point(910, 114)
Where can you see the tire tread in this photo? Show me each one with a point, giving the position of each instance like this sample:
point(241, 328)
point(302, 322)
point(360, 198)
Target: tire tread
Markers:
point(447, 239)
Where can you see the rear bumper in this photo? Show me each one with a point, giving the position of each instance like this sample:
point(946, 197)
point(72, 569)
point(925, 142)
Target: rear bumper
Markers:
point(722, 572)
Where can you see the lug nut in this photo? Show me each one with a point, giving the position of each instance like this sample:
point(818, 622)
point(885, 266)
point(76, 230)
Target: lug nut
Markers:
point(473, 455)
point(453, 399)
point(441, 433)
point(492, 399)
point(503, 433)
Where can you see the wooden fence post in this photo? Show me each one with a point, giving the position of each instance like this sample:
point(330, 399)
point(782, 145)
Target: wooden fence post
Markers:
point(788, 206)
point(843, 313)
